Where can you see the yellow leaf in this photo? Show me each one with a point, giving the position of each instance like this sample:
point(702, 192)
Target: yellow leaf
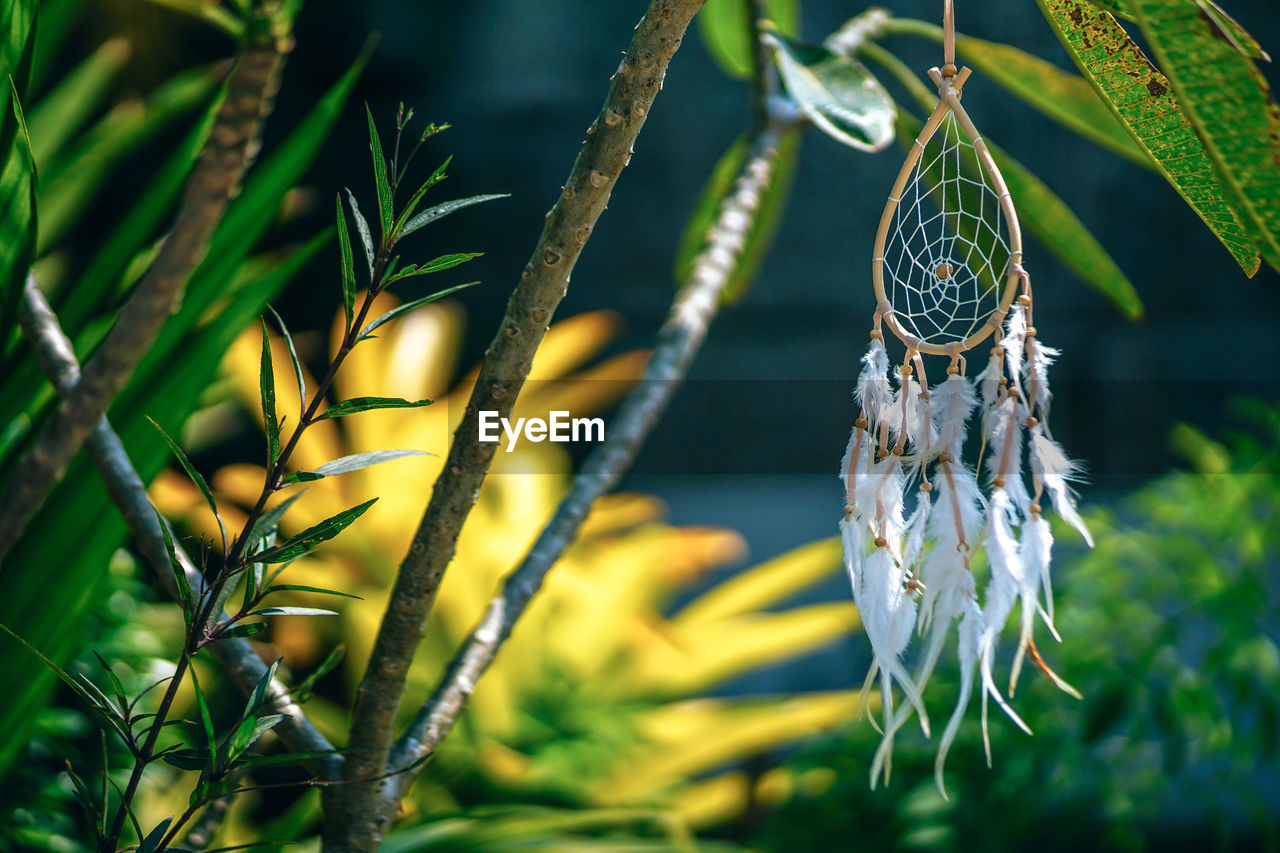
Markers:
point(766, 584)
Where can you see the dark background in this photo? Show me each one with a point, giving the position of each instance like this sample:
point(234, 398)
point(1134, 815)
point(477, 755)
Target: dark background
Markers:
point(753, 441)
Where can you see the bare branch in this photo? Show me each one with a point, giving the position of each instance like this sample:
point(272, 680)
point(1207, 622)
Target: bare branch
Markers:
point(129, 494)
point(678, 342)
point(357, 816)
point(233, 143)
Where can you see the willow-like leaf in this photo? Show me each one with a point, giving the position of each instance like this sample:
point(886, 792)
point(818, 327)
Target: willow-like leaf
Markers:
point(1142, 99)
point(440, 211)
point(1229, 103)
point(365, 404)
point(308, 539)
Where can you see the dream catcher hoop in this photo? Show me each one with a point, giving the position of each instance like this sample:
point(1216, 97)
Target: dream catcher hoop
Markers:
point(947, 273)
point(947, 277)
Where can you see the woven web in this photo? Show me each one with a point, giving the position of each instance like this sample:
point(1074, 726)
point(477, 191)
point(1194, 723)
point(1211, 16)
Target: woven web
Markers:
point(946, 256)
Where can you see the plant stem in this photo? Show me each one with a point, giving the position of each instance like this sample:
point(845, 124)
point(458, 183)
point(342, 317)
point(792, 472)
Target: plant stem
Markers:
point(129, 494)
point(112, 838)
point(357, 816)
point(272, 482)
point(232, 145)
point(678, 342)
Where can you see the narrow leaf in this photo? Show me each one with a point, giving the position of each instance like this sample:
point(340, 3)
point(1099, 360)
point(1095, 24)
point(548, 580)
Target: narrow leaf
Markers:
point(356, 461)
point(348, 265)
point(195, 478)
point(302, 692)
point(293, 611)
point(186, 600)
point(267, 384)
point(1229, 103)
point(293, 356)
point(440, 211)
point(313, 536)
point(69, 104)
point(1229, 28)
point(365, 404)
point(1066, 98)
point(206, 721)
point(151, 843)
point(409, 306)
point(362, 228)
point(385, 211)
point(82, 794)
point(440, 264)
point(300, 588)
point(838, 94)
point(436, 177)
point(98, 702)
point(1142, 99)
point(269, 520)
point(244, 629)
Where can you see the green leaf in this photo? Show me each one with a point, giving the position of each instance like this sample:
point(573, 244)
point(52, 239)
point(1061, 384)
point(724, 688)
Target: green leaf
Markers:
point(726, 31)
point(18, 228)
point(86, 800)
point(837, 93)
point(244, 629)
point(293, 357)
point(362, 227)
point(293, 611)
point(440, 264)
point(1228, 101)
point(266, 524)
point(287, 586)
point(706, 212)
point(195, 478)
point(436, 177)
point(66, 107)
point(1231, 31)
point(386, 211)
point(409, 306)
point(354, 462)
point(440, 211)
point(72, 180)
point(348, 266)
point(302, 692)
point(365, 404)
point(267, 385)
point(1140, 97)
point(186, 599)
point(308, 539)
point(95, 290)
point(1066, 98)
point(86, 690)
point(151, 843)
point(206, 721)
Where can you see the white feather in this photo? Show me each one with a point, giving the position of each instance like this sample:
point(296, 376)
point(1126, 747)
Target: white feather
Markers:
point(1003, 419)
point(971, 628)
point(1036, 549)
point(1051, 465)
point(953, 402)
point(873, 392)
point(1014, 342)
point(1038, 369)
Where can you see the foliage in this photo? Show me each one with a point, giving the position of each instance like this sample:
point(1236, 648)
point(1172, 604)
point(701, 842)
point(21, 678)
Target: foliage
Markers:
point(1166, 627)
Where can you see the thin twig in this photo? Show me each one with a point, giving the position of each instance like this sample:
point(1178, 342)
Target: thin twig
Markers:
point(351, 821)
point(678, 342)
point(216, 178)
point(129, 494)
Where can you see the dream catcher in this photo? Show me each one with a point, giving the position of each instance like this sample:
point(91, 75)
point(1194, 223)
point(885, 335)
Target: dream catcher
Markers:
point(948, 276)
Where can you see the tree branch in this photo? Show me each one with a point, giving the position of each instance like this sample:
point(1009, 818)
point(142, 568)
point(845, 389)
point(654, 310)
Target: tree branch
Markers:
point(678, 342)
point(352, 820)
point(127, 491)
point(216, 178)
